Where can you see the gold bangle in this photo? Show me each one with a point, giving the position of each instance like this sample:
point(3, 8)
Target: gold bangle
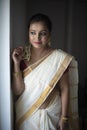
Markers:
point(16, 74)
point(64, 118)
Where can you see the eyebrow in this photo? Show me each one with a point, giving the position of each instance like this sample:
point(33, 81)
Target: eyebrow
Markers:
point(36, 30)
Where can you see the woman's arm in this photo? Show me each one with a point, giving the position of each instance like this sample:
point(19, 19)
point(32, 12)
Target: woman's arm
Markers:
point(17, 79)
point(64, 89)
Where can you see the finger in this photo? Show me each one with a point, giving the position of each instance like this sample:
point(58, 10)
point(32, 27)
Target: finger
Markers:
point(18, 50)
point(21, 48)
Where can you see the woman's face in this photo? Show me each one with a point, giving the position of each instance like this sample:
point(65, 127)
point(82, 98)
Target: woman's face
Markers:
point(39, 35)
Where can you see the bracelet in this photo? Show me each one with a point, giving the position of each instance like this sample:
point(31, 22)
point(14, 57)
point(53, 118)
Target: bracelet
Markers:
point(64, 118)
point(16, 74)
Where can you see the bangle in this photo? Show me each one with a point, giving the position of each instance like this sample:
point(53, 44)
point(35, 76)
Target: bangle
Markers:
point(16, 74)
point(64, 118)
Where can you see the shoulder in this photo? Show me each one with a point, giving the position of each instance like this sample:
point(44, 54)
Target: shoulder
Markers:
point(63, 52)
point(60, 53)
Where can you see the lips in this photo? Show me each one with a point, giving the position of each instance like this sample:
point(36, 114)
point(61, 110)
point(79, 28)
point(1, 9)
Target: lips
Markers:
point(37, 42)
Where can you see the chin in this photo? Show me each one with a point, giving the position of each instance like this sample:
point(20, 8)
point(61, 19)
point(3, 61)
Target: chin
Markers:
point(39, 46)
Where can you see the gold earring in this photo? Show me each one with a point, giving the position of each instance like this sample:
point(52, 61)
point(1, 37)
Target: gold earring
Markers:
point(49, 43)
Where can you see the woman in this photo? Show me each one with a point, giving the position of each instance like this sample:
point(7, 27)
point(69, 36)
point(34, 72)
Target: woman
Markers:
point(41, 81)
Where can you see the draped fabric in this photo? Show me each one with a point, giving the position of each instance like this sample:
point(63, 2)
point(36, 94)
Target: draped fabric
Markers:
point(40, 80)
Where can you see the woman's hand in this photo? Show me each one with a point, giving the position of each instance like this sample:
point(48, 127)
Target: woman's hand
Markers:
point(17, 54)
point(63, 125)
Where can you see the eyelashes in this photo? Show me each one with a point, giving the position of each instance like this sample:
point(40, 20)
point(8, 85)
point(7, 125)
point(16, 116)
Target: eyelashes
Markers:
point(44, 33)
point(32, 33)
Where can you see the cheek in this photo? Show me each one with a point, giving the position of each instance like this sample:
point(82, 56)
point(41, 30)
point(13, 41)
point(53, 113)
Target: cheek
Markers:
point(46, 39)
point(30, 38)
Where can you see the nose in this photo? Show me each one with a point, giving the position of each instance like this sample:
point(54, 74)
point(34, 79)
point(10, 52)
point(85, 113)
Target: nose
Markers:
point(38, 36)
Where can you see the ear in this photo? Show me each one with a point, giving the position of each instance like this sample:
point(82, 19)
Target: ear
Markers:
point(49, 41)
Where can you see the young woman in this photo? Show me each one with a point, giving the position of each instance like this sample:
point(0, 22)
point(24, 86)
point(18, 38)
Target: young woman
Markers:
point(42, 81)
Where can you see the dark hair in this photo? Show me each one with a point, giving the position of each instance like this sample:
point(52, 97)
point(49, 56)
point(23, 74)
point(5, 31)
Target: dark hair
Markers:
point(41, 18)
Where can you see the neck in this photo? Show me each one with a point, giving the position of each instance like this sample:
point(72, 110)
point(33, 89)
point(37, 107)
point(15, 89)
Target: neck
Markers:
point(38, 51)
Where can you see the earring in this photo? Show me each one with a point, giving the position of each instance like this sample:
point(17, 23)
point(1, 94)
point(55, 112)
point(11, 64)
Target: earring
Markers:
point(49, 44)
point(29, 52)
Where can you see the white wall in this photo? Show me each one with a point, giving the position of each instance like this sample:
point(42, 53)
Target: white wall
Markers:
point(5, 92)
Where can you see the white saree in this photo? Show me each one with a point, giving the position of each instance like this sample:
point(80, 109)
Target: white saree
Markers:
point(40, 80)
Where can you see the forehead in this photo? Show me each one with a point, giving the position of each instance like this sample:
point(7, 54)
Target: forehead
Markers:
point(38, 26)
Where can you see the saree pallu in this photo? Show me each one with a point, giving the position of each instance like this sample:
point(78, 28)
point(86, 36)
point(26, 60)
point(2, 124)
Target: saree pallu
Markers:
point(40, 80)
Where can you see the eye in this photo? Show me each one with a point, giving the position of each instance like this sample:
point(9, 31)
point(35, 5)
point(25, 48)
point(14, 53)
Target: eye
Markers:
point(32, 33)
point(43, 33)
